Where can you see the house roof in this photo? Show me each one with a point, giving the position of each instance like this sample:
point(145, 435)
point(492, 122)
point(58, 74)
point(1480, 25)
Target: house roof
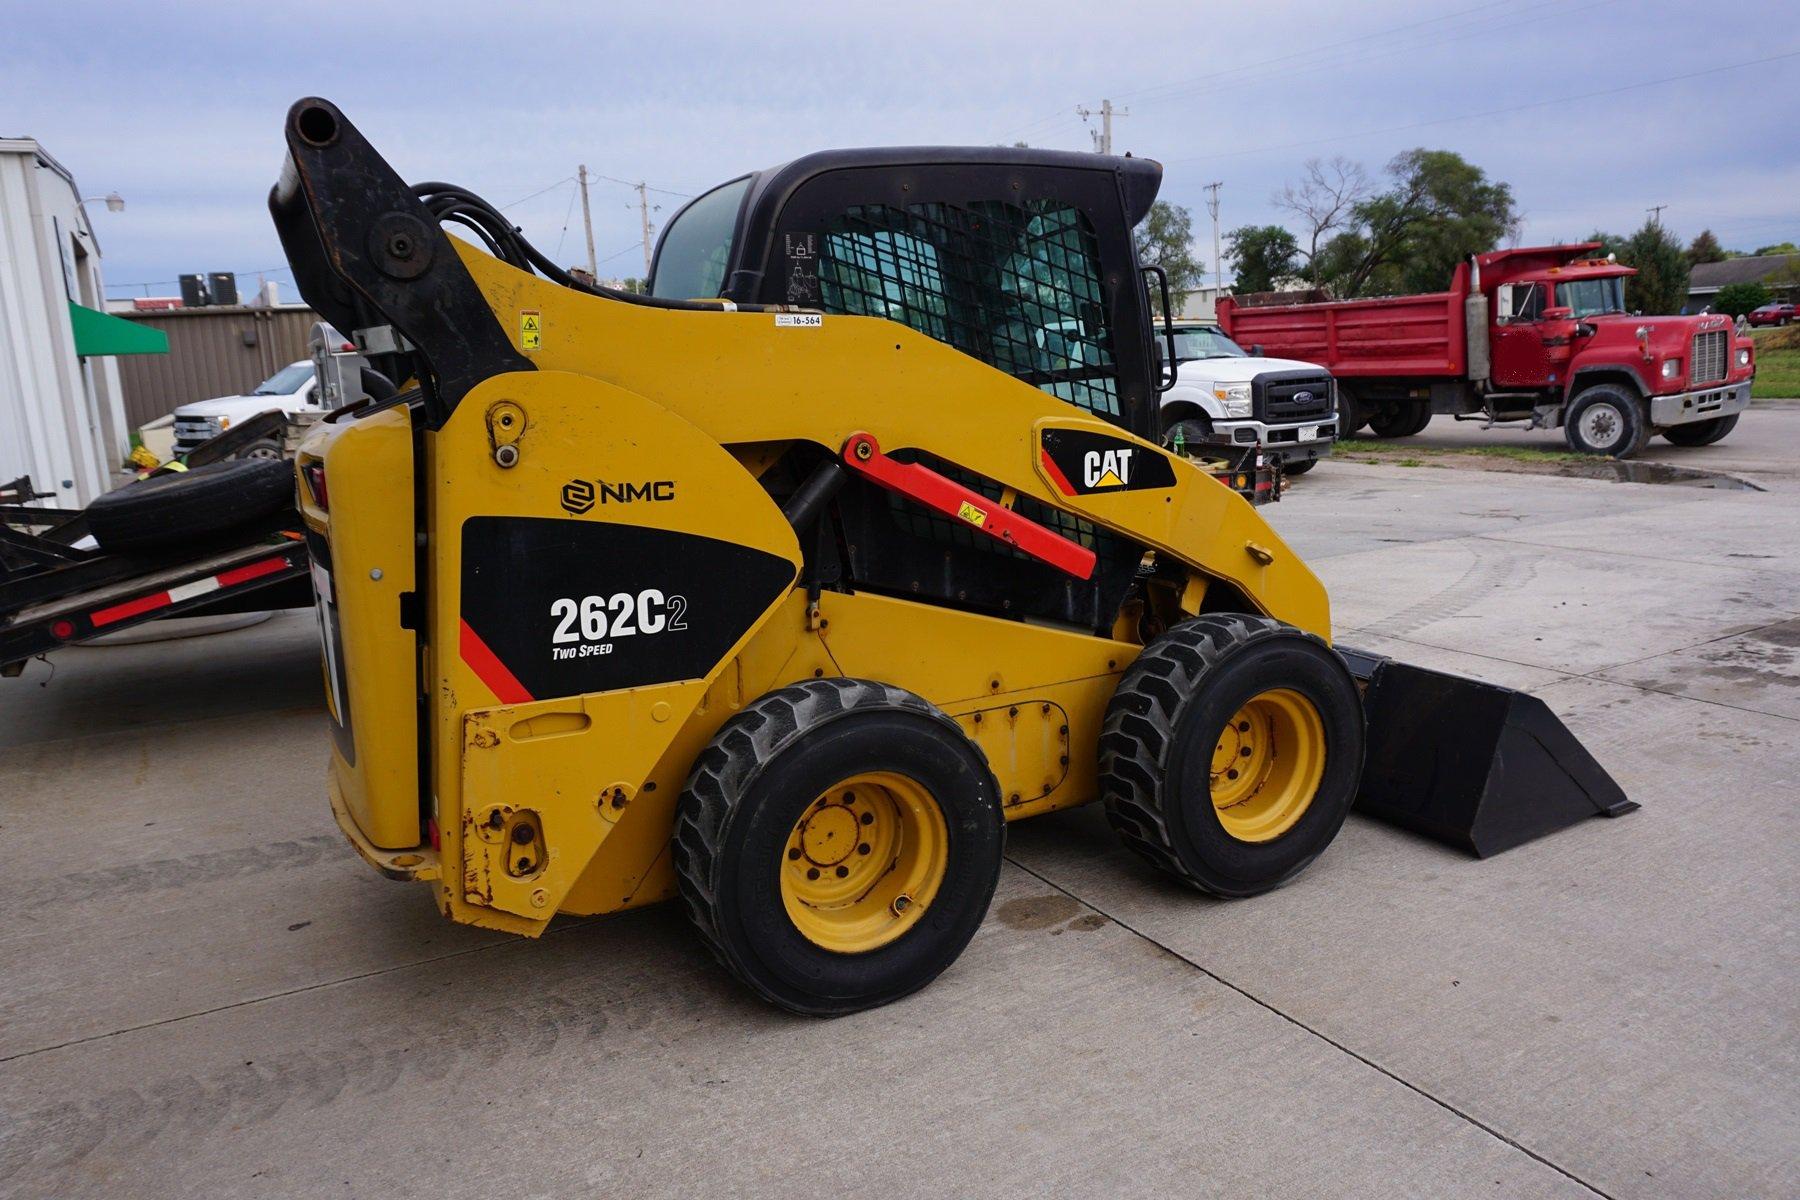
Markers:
point(1710, 277)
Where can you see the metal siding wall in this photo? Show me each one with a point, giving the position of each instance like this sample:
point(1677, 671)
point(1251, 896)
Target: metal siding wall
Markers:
point(50, 427)
point(207, 356)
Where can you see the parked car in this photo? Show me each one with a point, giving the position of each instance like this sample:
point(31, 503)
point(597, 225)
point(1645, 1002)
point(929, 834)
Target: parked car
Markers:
point(1771, 314)
point(1226, 396)
point(290, 390)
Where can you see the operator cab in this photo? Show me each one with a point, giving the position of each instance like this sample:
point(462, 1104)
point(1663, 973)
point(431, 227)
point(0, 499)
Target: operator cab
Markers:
point(1020, 258)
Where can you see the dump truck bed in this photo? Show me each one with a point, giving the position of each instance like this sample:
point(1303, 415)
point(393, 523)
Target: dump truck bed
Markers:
point(1390, 336)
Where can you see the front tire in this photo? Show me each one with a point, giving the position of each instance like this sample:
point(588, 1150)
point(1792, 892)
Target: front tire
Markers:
point(837, 844)
point(1195, 430)
point(1299, 466)
point(1702, 433)
point(1231, 753)
point(1608, 420)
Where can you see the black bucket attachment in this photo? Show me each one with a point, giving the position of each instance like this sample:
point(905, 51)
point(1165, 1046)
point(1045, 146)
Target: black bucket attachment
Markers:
point(1471, 764)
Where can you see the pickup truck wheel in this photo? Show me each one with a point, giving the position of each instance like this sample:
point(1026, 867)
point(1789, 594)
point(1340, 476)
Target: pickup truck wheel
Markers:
point(1401, 420)
point(184, 506)
point(1701, 433)
point(1299, 468)
point(1194, 430)
point(1606, 419)
point(267, 448)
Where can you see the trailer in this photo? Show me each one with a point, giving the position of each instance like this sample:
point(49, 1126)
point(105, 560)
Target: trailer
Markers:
point(217, 535)
point(1537, 336)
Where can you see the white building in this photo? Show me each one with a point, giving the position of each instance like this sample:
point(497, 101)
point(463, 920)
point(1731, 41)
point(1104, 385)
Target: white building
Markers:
point(62, 422)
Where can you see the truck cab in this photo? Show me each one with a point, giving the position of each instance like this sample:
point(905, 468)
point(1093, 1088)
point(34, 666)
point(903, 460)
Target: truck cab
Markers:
point(1561, 340)
point(1226, 396)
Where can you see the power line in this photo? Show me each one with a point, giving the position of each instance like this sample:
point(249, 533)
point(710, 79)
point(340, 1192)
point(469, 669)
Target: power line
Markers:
point(536, 194)
point(1492, 112)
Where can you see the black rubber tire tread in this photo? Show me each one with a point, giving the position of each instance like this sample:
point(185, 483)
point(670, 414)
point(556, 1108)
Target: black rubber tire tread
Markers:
point(1623, 399)
point(1144, 723)
point(185, 506)
point(1401, 421)
point(1702, 433)
point(727, 770)
point(1300, 467)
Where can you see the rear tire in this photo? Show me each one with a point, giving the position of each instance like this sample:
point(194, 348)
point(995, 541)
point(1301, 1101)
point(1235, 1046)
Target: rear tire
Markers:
point(1702, 433)
point(1606, 419)
point(1210, 696)
point(1401, 420)
point(770, 837)
point(186, 506)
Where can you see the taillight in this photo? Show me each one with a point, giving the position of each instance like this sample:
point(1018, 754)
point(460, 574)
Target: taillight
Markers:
point(314, 474)
point(62, 630)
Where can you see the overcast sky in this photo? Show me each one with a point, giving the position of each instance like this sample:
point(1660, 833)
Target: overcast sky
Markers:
point(1579, 104)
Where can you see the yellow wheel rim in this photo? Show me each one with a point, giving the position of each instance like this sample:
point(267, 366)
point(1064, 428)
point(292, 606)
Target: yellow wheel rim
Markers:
point(1267, 765)
point(864, 862)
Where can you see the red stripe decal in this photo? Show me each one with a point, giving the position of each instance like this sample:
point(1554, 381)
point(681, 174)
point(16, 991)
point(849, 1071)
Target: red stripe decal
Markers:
point(131, 608)
point(863, 455)
point(490, 670)
point(1055, 473)
point(255, 570)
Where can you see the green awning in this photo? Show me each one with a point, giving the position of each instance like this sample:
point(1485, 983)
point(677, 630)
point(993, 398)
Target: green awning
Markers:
point(98, 333)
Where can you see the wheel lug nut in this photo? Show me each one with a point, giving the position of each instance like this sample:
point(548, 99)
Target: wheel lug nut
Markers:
point(868, 818)
point(793, 853)
point(842, 871)
point(1245, 752)
point(812, 872)
point(863, 849)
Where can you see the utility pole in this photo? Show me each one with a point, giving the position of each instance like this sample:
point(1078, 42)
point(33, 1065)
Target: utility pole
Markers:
point(644, 218)
point(1102, 136)
point(1655, 211)
point(587, 223)
point(1212, 206)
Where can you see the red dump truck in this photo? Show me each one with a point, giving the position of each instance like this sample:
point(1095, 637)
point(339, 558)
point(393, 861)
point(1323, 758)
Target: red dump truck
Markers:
point(1536, 336)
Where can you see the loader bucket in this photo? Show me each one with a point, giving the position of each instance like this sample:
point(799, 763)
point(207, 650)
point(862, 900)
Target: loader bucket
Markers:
point(1471, 764)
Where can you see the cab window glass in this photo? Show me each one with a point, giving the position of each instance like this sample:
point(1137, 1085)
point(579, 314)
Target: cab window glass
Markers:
point(690, 263)
point(1017, 286)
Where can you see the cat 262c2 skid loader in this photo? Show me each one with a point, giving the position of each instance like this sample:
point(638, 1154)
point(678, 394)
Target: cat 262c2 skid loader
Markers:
point(785, 586)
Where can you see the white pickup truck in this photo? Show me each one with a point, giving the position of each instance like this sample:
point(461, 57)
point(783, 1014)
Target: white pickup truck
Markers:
point(1226, 396)
point(292, 390)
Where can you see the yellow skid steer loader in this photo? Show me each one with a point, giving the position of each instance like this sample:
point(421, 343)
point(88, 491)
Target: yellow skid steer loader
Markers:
point(783, 587)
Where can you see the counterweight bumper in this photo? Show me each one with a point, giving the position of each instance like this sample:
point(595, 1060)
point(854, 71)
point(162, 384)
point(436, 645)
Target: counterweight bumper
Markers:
point(1471, 764)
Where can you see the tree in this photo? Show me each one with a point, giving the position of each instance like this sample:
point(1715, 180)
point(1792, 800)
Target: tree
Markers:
point(1324, 202)
point(1261, 255)
point(1409, 238)
point(1778, 248)
point(1736, 299)
point(1661, 284)
point(1705, 249)
point(1165, 238)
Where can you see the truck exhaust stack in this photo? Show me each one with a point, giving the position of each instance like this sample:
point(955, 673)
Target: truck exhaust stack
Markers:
point(1474, 765)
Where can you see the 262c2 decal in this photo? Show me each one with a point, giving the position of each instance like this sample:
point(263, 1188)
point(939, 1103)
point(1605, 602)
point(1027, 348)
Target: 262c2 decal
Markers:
point(588, 625)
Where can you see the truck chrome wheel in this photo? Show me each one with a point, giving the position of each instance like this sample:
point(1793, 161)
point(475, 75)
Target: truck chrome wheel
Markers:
point(1600, 425)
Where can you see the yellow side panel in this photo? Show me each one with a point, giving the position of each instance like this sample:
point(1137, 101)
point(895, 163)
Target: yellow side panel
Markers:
point(369, 533)
point(588, 460)
point(742, 379)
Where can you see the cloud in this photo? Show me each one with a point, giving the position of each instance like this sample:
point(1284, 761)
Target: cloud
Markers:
point(180, 109)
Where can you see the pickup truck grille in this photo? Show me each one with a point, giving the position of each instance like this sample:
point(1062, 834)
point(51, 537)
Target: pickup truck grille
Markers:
point(1708, 364)
point(190, 431)
point(1300, 396)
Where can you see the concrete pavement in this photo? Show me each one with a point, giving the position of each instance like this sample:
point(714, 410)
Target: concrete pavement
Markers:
point(203, 992)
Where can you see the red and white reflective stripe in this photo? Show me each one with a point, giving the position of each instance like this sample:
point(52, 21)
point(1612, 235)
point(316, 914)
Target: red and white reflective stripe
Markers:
point(185, 591)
